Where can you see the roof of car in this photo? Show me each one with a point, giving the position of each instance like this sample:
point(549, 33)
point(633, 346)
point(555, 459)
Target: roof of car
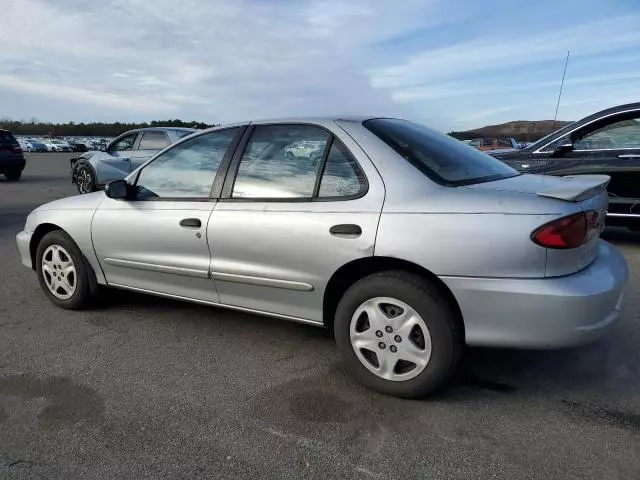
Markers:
point(319, 120)
point(161, 129)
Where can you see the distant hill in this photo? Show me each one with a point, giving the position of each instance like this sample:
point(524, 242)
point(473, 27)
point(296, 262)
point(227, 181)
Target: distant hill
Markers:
point(521, 130)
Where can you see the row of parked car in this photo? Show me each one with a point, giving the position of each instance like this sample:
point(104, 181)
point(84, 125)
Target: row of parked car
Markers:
point(44, 144)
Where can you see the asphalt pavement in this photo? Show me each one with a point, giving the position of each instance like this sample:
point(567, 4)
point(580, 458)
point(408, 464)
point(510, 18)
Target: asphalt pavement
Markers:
point(142, 387)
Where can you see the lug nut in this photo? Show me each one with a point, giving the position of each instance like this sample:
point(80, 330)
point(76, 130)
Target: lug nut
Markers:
point(389, 329)
point(393, 348)
point(378, 333)
point(382, 345)
point(398, 338)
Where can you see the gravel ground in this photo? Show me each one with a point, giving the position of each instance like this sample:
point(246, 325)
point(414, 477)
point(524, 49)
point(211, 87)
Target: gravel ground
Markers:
point(150, 388)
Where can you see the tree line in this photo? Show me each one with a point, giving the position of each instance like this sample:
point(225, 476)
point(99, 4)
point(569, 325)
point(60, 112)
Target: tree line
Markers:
point(96, 129)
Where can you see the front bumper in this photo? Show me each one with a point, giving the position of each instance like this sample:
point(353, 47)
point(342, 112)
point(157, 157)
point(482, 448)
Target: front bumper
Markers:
point(23, 239)
point(546, 312)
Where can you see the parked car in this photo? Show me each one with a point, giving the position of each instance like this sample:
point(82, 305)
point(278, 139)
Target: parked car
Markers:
point(127, 152)
point(405, 242)
point(77, 146)
point(607, 142)
point(37, 146)
point(12, 160)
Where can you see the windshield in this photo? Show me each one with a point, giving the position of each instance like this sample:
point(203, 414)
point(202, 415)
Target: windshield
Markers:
point(442, 158)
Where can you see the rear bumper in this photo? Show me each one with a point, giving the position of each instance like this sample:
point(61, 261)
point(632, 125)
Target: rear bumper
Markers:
point(12, 163)
point(547, 312)
point(23, 239)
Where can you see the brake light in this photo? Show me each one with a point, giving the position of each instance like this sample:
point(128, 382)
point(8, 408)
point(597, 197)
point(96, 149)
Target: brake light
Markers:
point(16, 149)
point(568, 232)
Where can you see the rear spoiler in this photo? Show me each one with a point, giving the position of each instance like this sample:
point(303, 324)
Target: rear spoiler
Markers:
point(576, 188)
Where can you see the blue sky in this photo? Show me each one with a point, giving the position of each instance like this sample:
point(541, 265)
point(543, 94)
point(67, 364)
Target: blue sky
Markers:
point(454, 64)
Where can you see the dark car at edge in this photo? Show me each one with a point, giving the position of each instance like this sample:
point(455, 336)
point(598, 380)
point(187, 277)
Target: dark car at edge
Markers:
point(12, 160)
point(607, 142)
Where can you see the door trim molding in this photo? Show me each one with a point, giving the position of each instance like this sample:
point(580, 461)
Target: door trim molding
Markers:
point(306, 321)
point(152, 267)
point(262, 281)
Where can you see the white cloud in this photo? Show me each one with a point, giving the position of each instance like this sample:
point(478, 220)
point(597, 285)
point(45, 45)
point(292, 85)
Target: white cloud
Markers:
point(237, 59)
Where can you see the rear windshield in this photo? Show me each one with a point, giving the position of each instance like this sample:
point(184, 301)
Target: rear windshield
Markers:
point(7, 139)
point(442, 158)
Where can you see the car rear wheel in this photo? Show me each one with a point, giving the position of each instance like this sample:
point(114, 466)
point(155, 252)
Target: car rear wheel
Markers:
point(84, 180)
point(398, 334)
point(62, 272)
point(13, 176)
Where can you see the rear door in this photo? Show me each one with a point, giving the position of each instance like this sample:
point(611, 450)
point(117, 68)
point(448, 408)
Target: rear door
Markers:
point(115, 163)
point(286, 223)
point(149, 143)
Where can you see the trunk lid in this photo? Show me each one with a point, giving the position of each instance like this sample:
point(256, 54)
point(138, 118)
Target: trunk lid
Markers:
point(588, 192)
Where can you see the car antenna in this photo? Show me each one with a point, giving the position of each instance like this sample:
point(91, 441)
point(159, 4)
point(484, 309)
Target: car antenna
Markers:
point(555, 117)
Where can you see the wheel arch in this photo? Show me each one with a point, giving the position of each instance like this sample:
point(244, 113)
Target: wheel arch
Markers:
point(351, 272)
point(39, 233)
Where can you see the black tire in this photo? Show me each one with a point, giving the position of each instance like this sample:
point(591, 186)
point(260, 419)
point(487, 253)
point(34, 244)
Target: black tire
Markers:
point(13, 176)
point(88, 185)
point(82, 296)
point(444, 327)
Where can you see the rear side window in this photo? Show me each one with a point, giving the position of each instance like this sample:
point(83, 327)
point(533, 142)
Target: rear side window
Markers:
point(443, 159)
point(342, 177)
point(8, 140)
point(153, 141)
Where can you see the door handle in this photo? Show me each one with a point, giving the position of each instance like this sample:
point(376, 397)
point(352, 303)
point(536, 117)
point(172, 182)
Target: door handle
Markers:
point(348, 230)
point(629, 155)
point(191, 222)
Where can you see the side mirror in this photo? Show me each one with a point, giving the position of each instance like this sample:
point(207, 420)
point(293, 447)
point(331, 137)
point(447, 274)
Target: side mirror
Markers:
point(117, 189)
point(563, 146)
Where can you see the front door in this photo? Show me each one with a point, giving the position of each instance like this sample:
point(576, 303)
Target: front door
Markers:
point(115, 163)
point(157, 240)
point(609, 146)
point(286, 222)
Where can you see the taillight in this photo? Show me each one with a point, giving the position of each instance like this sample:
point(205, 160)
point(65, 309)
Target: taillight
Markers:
point(16, 149)
point(567, 232)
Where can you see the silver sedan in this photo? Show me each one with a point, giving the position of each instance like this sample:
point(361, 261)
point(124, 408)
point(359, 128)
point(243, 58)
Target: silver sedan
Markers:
point(404, 242)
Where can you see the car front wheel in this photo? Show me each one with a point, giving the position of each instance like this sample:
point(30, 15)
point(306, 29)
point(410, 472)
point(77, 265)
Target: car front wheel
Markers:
point(85, 181)
point(62, 272)
point(398, 334)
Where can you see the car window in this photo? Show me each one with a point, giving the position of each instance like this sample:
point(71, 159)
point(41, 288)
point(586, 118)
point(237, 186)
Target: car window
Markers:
point(186, 170)
point(125, 143)
point(8, 139)
point(342, 177)
point(440, 157)
point(280, 161)
point(153, 141)
point(620, 134)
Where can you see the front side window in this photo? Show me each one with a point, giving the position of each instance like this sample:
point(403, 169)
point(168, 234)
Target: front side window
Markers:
point(442, 158)
point(125, 143)
point(281, 161)
point(186, 170)
point(153, 141)
point(619, 134)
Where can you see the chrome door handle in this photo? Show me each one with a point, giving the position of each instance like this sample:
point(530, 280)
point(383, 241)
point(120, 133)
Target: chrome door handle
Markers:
point(346, 230)
point(191, 222)
point(629, 155)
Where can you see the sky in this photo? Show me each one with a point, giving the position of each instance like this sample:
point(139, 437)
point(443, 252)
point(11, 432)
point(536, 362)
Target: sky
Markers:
point(452, 64)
